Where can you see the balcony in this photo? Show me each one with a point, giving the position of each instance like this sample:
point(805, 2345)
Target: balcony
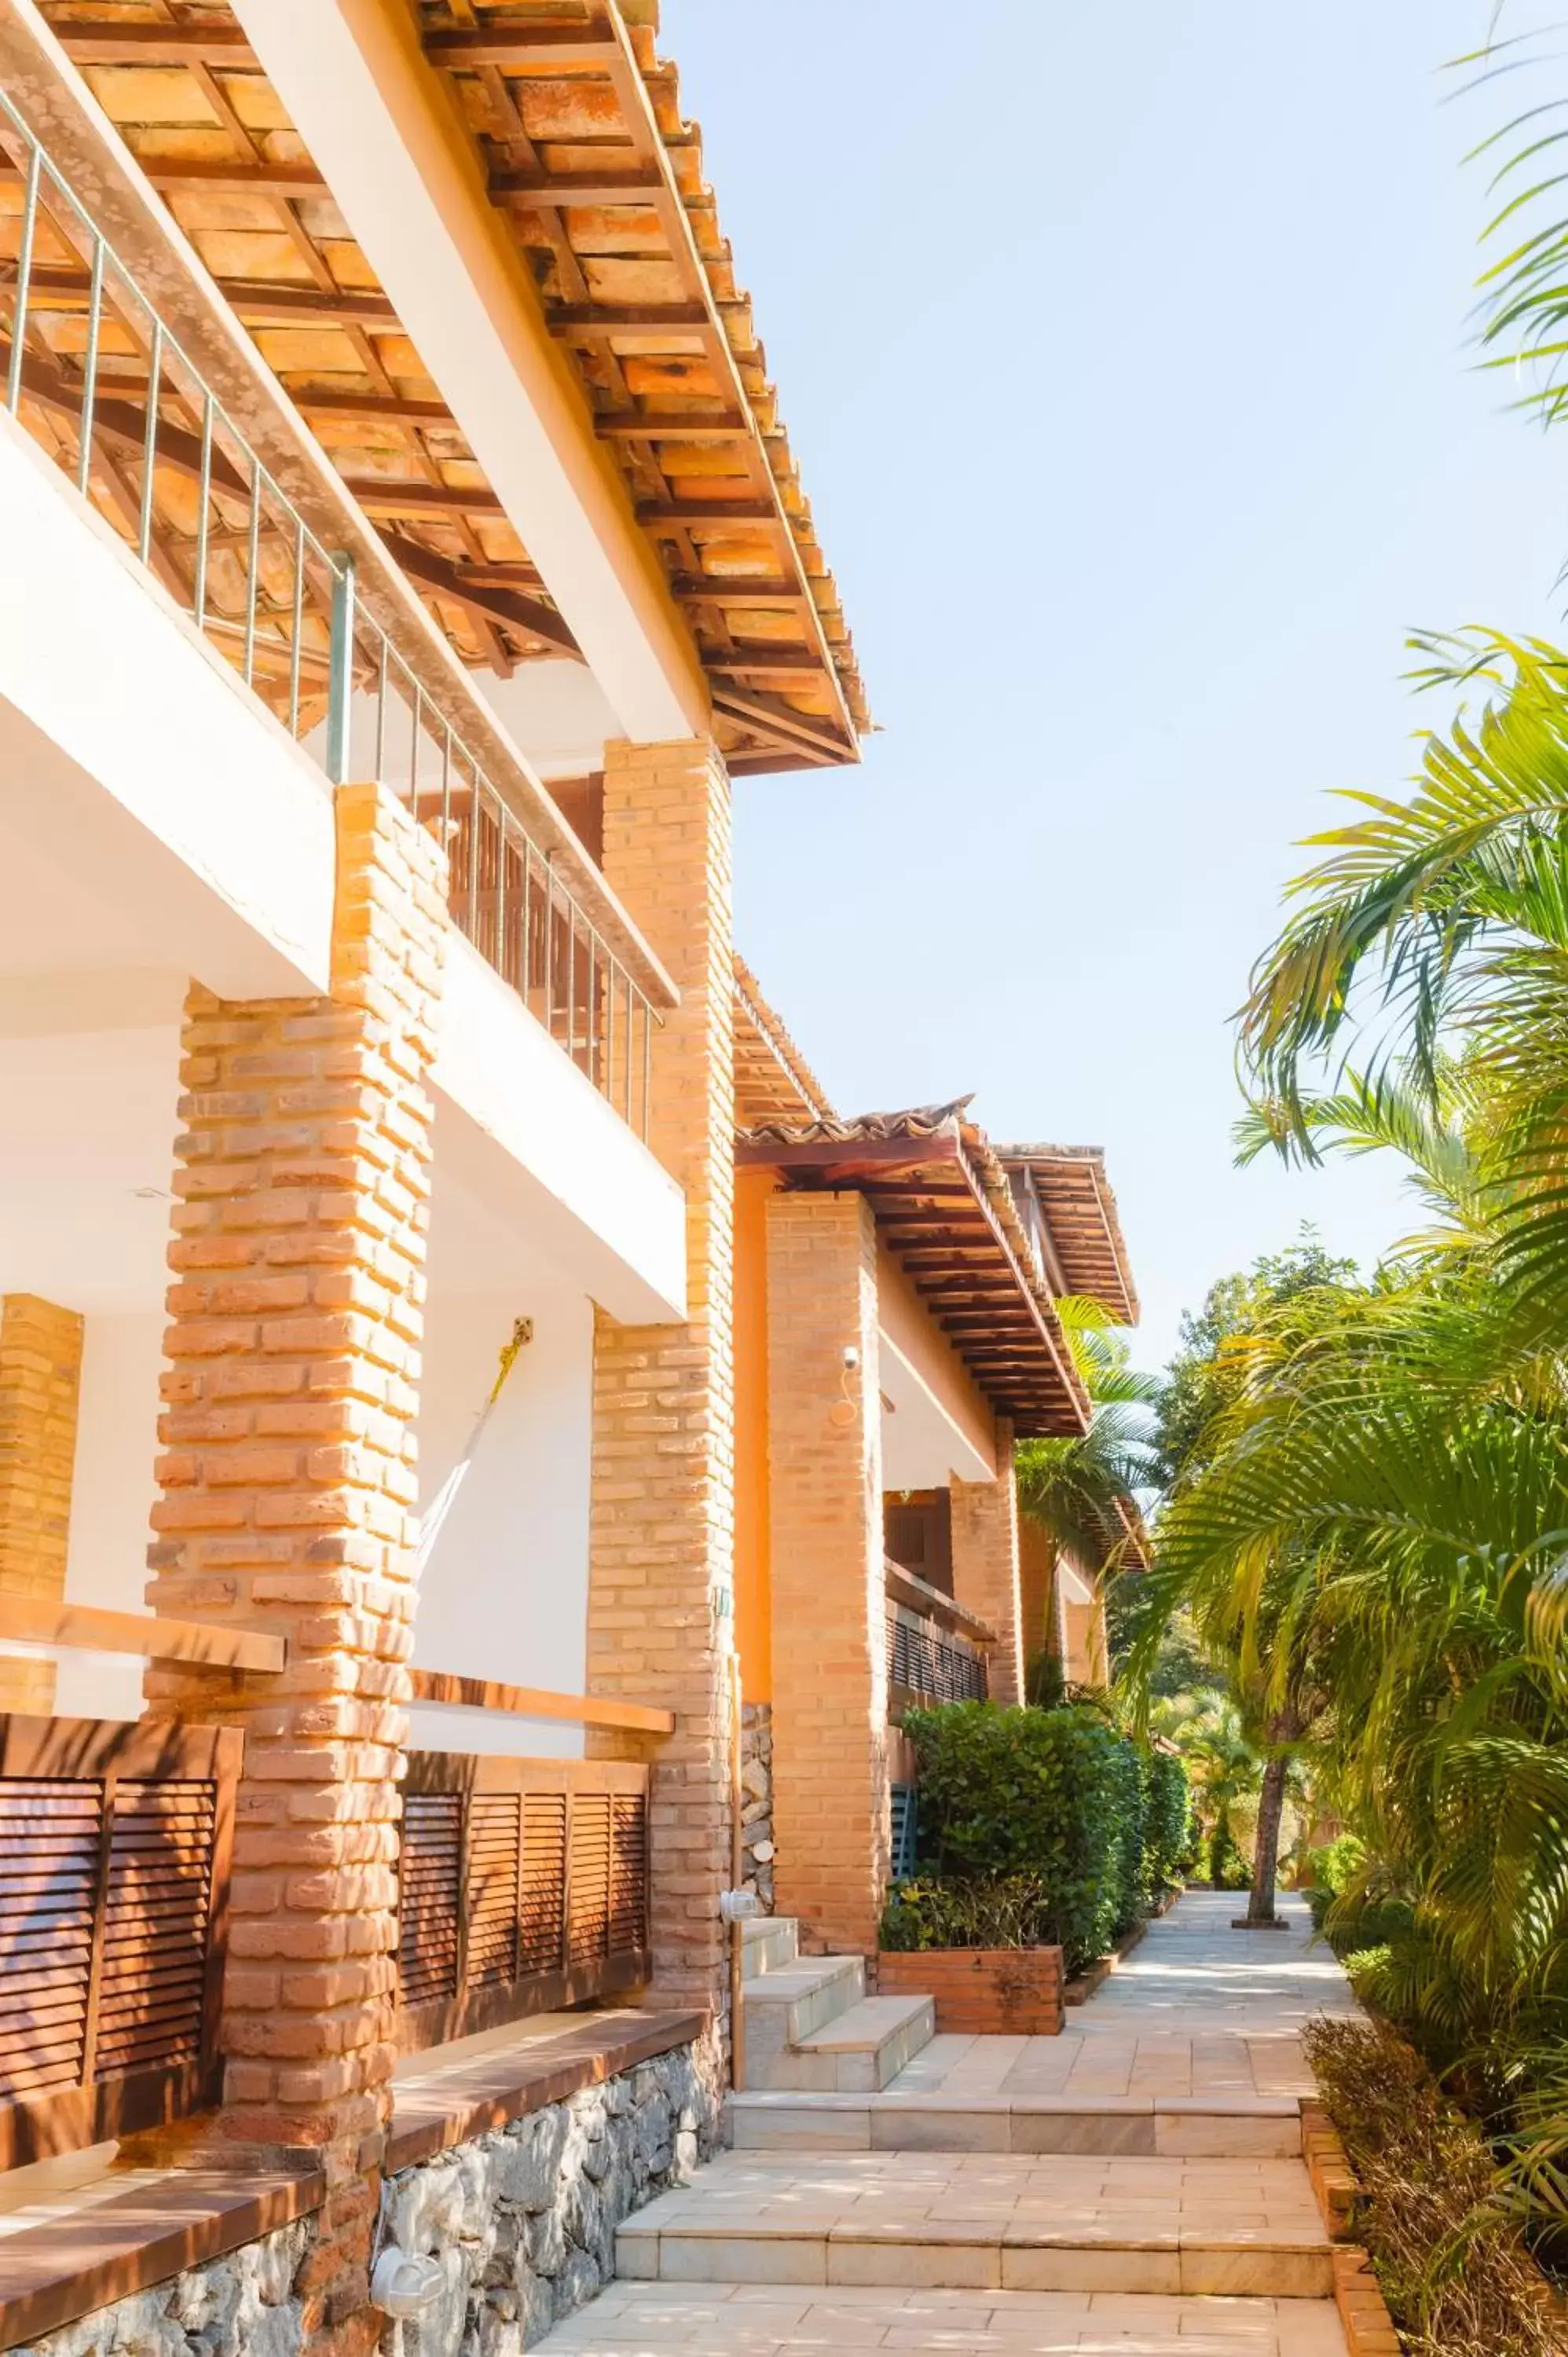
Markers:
point(252, 535)
point(936, 1650)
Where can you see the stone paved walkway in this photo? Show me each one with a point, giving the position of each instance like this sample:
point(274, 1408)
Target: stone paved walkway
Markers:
point(1072, 2225)
point(1197, 2009)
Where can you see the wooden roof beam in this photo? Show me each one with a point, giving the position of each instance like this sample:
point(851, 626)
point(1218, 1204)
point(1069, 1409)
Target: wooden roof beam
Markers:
point(374, 114)
point(626, 425)
point(591, 320)
point(731, 589)
point(443, 578)
point(383, 495)
point(523, 44)
point(528, 190)
point(89, 42)
point(185, 177)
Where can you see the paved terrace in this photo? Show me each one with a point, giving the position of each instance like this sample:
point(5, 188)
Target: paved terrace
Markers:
point(1134, 2186)
point(1196, 2010)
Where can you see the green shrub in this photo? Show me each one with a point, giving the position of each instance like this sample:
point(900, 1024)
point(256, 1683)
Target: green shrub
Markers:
point(1127, 1851)
point(1042, 1793)
point(1011, 1911)
point(1168, 1808)
point(1455, 2273)
point(1227, 1869)
point(1336, 1866)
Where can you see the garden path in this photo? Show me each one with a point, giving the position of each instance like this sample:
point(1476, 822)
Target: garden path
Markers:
point(1134, 2186)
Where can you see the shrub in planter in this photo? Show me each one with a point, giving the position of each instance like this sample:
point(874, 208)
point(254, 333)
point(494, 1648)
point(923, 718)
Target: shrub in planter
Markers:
point(1454, 2268)
point(1168, 1810)
point(1036, 1793)
point(982, 1949)
point(1011, 1911)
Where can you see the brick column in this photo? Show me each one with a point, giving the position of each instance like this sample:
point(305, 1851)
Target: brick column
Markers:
point(1037, 1591)
point(40, 1378)
point(288, 1492)
point(830, 1646)
point(661, 1547)
point(985, 1564)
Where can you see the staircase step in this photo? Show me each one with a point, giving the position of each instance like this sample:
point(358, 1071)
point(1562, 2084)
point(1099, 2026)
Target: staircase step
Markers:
point(857, 2052)
point(671, 2319)
point(767, 1942)
point(779, 2008)
point(1241, 2127)
point(988, 2222)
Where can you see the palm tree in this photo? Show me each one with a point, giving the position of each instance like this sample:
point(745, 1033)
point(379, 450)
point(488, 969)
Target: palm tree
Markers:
point(1082, 1489)
point(1435, 932)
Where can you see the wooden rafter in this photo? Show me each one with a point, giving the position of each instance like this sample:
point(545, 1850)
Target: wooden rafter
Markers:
point(630, 164)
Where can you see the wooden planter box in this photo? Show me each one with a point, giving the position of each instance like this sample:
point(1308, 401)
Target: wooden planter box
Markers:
point(981, 1991)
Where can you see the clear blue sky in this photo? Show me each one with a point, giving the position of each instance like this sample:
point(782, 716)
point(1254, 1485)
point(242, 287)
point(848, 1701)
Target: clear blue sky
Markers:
point(1124, 352)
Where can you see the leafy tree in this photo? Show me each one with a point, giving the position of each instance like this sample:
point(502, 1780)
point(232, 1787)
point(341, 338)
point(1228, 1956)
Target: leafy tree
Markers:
point(1239, 1618)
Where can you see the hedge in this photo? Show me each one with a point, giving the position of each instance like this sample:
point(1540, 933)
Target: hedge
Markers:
point(1055, 1797)
point(1167, 1821)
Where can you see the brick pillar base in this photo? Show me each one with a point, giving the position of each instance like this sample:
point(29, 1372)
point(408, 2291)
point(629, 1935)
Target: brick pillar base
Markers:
point(40, 1379)
point(288, 1492)
point(661, 1548)
point(830, 1647)
point(985, 1564)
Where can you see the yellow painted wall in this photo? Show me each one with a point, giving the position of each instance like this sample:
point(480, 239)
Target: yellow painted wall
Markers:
point(753, 1585)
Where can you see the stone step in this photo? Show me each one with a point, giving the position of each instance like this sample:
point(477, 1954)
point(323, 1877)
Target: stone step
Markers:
point(990, 2222)
point(768, 1942)
point(857, 2052)
point(1217, 2127)
point(672, 2319)
point(787, 2005)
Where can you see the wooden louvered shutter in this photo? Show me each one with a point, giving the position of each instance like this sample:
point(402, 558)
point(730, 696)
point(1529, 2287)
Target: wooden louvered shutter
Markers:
point(588, 1903)
point(491, 1912)
point(430, 1888)
point(50, 1841)
point(153, 1973)
point(524, 1887)
point(628, 1874)
point(114, 1849)
point(540, 1930)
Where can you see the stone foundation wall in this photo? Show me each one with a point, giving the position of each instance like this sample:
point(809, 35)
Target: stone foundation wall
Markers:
point(756, 1787)
point(522, 2220)
point(245, 2305)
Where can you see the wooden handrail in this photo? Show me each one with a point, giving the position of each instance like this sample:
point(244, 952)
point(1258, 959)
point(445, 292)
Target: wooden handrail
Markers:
point(932, 1604)
point(539, 1702)
point(27, 1622)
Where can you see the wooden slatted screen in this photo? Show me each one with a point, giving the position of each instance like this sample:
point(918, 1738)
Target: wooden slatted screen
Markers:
point(430, 1896)
point(524, 1887)
point(114, 1850)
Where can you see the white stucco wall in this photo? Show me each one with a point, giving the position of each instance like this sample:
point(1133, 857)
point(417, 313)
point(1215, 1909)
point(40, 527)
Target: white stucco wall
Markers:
point(131, 753)
point(116, 1442)
point(505, 1592)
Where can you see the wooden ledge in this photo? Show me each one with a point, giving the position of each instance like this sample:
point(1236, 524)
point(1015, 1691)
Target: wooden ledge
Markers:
point(539, 1702)
point(199, 1644)
point(447, 2095)
point(92, 2245)
point(919, 1596)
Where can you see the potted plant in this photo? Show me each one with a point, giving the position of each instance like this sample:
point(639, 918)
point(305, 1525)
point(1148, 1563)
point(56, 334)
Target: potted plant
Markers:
point(981, 1947)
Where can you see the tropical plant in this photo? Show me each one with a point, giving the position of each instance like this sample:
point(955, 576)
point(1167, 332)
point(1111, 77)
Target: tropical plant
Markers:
point(1082, 1489)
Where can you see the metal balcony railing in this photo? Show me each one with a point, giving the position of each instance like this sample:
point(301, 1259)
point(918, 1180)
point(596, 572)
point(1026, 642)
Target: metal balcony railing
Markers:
point(113, 395)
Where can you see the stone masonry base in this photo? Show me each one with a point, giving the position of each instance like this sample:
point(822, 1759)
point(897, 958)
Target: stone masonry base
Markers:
point(522, 2220)
point(756, 1786)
